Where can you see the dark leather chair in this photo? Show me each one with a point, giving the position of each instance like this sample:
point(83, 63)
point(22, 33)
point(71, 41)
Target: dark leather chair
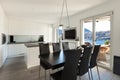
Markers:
point(70, 68)
point(56, 47)
point(44, 50)
point(93, 60)
point(83, 66)
point(65, 46)
point(83, 46)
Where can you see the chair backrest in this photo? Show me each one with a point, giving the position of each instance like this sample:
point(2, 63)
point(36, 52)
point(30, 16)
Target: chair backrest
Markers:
point(65, 46)
point(83, 46)
point(56, 47)
point(44, 48)
point(84, 61)
point(94, 55)
point(71, 64)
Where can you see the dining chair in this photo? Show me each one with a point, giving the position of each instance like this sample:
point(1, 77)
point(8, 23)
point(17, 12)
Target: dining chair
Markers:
point(83, 66)
point(65, 46)
point(93, 60)
point(56, 47)
point(44, 50)
point(83, 46)
point(70, 69)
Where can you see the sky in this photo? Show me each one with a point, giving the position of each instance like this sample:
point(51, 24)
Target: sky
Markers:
point(103, 25)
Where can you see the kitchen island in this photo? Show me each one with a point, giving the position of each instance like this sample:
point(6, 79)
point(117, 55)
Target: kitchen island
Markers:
point(31, 55)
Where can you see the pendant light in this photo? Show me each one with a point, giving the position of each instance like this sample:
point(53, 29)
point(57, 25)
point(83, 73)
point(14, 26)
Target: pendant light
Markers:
point(64, 4)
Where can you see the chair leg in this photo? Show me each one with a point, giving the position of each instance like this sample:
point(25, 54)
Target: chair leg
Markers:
point(98, 72)
point(79, 78)
point(49, 74)
point(45, 74)
point(39, 71)
point(50, 78)
point(91, 74)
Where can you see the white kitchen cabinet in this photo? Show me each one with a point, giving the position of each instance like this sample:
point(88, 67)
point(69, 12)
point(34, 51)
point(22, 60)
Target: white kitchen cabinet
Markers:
point(32, 57)
point(16, 50)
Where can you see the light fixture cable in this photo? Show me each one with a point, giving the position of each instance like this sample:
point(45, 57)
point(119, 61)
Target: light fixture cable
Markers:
point(67, 13)
point(61, 16)
point(60, 23)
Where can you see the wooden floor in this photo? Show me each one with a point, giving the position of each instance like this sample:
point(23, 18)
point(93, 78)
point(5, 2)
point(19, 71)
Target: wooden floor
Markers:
point(15, 69)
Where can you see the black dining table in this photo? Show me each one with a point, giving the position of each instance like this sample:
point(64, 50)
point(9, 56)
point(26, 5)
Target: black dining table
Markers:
point(54, 59)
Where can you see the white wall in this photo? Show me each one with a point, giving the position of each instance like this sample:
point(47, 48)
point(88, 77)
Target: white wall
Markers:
point(111, 5)
point(50, 39)
point(23, 27)
point(3, 29)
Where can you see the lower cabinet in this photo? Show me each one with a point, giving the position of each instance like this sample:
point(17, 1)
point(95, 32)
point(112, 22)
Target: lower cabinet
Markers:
point(16, 50)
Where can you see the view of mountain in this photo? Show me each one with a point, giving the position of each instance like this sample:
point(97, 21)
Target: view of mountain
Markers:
point(86, 30)
point(101, 36)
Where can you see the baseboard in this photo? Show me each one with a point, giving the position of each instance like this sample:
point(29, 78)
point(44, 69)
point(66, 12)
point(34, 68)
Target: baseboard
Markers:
point(12, 56)
point(2, 62)
point(30, 66)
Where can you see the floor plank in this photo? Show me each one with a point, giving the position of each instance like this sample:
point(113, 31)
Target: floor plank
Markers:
point(15, 69)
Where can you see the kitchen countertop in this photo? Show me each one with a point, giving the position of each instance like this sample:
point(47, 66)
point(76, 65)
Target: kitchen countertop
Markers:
point(27, 44)
point(32, 44)
point(23, 42)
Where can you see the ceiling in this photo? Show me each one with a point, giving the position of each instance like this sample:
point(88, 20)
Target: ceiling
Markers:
point(44, 11)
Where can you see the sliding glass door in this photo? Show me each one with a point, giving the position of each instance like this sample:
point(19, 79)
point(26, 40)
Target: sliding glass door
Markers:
point(102, 33)
point(96, 31)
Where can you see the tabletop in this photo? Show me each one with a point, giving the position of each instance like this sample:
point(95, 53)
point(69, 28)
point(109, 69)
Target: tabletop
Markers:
point(53, 59)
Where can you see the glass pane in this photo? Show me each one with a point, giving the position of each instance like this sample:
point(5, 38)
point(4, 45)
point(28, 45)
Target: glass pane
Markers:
point(88, 31)
point(60, 33)
point(102, 30)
